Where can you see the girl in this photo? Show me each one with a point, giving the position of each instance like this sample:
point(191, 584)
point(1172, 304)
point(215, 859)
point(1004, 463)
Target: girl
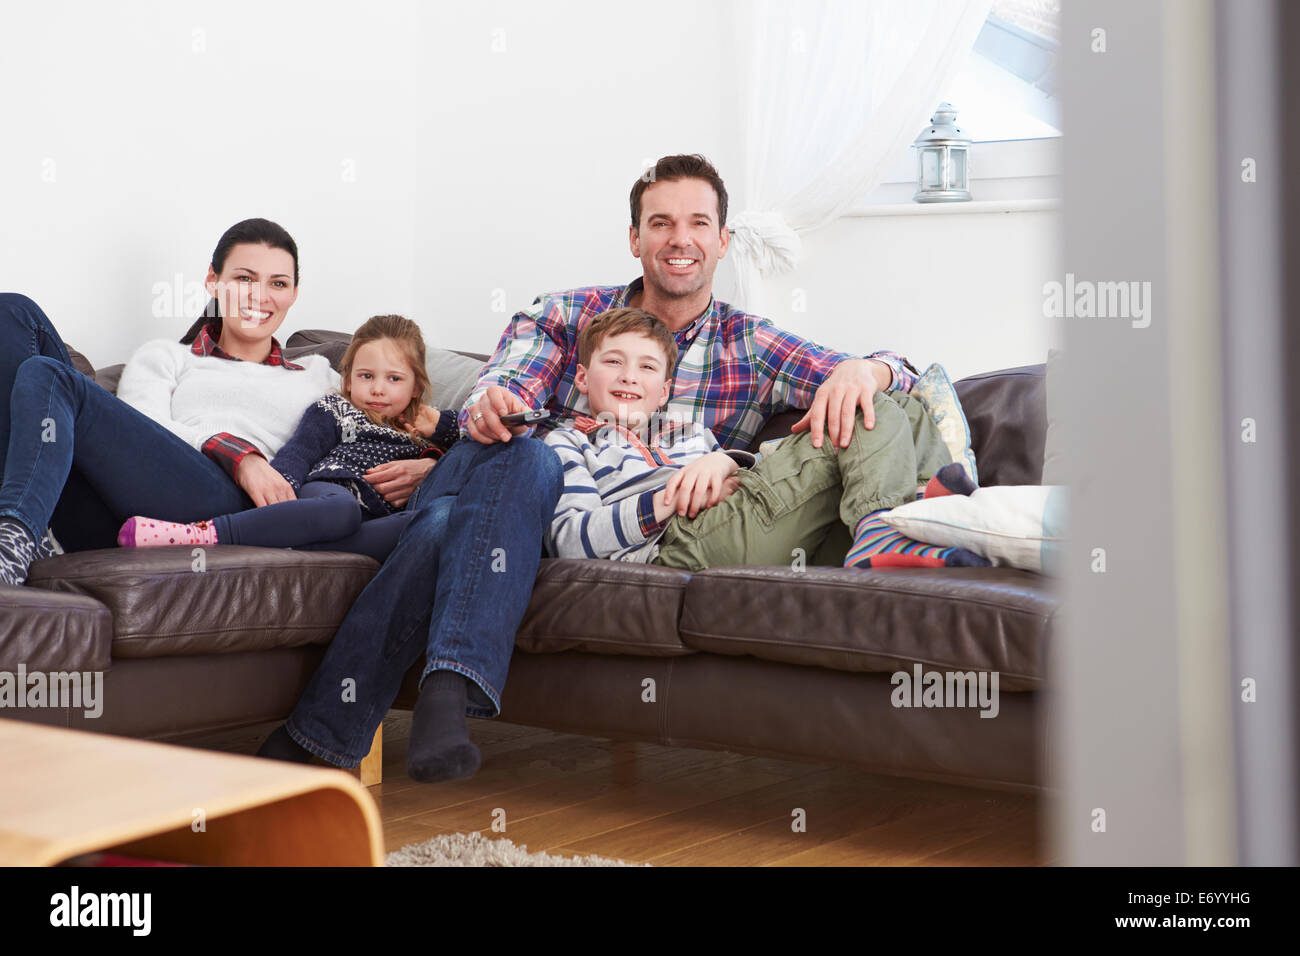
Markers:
point(191, 429)
point(378, 418)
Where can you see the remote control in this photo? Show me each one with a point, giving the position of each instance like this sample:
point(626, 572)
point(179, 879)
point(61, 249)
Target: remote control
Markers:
point(525, 418)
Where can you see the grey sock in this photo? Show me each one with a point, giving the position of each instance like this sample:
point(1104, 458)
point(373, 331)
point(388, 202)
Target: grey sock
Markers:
point(440, 748)
point(48, 546)
point(17, 551)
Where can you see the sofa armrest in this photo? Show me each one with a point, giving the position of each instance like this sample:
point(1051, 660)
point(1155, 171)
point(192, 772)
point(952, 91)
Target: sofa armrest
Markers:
point(47, 631)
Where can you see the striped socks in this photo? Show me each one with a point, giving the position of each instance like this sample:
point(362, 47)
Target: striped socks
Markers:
point(877, 545)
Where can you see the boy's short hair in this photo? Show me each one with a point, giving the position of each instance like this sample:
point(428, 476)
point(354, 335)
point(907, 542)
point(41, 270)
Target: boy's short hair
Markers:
point(618, 321)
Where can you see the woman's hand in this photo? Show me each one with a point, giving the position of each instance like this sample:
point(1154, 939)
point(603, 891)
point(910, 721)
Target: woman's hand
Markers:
point(262, 483)
point(396, 480)
point(426, 422)
point(701, 484)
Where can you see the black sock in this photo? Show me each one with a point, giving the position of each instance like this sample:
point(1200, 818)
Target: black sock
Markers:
point(280, 746)
point(440, 748)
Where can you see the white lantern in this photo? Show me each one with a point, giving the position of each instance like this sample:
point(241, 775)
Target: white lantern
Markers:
point(942, 169)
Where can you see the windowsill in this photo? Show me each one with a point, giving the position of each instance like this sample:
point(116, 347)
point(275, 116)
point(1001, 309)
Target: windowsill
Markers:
point(974, 206)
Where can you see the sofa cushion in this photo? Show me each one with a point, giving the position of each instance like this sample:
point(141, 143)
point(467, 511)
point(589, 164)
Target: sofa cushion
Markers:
point(332, 345)
point(107, 378)
point(80, 362)
point(604, 607)
point(847, 619)
point(241, 599)
point(53, 632)
point(1007, 413)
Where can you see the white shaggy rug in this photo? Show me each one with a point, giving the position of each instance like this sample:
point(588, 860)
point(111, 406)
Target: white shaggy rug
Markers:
point(474, 849)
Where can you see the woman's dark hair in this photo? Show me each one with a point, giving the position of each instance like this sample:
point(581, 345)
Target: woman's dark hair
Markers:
point(260, 232)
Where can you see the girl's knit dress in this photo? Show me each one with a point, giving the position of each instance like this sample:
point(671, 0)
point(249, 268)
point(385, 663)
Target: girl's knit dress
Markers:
point(337, 442)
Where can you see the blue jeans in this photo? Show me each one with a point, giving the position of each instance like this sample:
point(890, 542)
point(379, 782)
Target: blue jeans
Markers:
point(453, 591)
point(77, 458)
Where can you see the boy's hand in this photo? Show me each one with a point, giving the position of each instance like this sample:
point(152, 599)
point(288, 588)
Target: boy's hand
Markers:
point(425, 424)
point(701, 484)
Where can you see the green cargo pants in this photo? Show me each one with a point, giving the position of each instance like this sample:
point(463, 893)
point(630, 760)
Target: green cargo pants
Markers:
point(801, 497)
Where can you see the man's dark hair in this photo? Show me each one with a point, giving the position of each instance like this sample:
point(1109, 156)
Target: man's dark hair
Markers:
point(670, 168)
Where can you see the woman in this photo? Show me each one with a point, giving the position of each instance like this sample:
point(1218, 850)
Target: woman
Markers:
point(191, 429)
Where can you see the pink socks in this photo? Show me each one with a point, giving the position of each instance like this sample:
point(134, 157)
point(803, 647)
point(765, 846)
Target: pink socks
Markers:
point(140, 532)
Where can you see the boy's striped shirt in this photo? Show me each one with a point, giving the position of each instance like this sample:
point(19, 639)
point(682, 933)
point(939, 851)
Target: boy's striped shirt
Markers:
point(610, 479)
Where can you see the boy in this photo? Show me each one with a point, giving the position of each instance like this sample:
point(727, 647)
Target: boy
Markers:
point(642, 486)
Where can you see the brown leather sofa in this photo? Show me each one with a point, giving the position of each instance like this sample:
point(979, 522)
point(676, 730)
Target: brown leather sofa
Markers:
point(769, 661)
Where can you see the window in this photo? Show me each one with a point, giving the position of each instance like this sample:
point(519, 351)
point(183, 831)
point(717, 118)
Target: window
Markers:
point(1007, 88)
point(1006, 99)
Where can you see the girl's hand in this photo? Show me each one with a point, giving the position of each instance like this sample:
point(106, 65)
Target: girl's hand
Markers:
point(701, 484)
point(396, 480)
point(262, 483)
point(426, 422)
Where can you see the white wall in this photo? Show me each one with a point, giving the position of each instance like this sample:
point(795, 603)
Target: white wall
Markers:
point(136, 133)
point(446, 161)
point(528, 152)
point(964, 290)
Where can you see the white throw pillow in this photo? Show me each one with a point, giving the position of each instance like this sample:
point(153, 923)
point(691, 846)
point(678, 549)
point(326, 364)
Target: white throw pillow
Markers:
point(1020, 526)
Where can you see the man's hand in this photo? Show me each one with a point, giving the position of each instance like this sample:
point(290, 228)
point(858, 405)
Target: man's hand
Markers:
point(262, 483)
point(852, 384)
point(485, 416)
point(396, 480)
point(701, 484)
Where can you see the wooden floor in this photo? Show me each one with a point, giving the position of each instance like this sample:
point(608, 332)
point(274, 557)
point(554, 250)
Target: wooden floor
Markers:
point(567, 794)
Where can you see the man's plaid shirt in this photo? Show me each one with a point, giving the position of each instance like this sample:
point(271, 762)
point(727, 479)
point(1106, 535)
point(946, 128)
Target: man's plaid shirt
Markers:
point(734, 370)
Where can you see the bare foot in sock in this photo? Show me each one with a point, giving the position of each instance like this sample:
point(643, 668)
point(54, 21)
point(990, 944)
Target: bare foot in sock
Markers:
point(440, 748)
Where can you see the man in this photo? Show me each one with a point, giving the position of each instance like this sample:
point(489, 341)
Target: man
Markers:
point(457, 584)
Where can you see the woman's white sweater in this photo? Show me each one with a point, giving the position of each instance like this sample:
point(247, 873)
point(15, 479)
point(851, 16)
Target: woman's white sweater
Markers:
point(196, 396)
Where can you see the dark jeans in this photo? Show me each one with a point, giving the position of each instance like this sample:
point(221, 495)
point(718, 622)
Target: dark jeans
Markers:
point(453, 592)
point(76, 458)
point(325, 516)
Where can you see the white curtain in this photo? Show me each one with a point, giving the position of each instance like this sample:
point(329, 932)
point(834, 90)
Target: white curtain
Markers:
point(835, 90)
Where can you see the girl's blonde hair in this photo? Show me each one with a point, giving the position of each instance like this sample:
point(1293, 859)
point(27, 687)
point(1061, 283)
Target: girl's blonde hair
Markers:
point(403, 333)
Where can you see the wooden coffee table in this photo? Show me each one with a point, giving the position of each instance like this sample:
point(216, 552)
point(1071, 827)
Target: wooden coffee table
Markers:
point(68, 792)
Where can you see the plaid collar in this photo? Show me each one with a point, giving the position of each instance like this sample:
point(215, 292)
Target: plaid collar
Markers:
point(684, 336)
point(205, 344)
